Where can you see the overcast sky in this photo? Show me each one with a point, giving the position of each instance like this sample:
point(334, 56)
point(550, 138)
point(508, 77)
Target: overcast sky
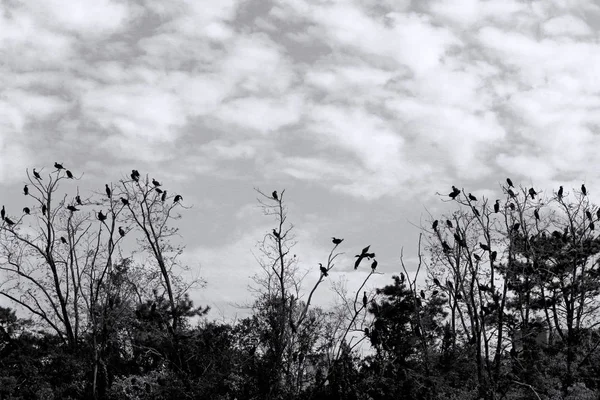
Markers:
point(361, 110)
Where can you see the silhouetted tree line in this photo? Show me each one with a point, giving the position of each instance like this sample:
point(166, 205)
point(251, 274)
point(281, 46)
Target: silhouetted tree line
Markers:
point(502, 304)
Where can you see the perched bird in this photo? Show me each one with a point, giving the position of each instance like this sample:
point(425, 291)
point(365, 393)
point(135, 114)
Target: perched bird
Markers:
point(583, 189)
point(155, 182)
point(402, 278)
point(37, 175)
point(373, 265)
point(493, 256)
point(516, 226)
point(588, 214)
point(44, 209)
point(124, 201)
point(436, 281)
point(134, 176)
point(455, 192)
point(435, 292)
point(445, 247)
point(510, 184)
point(449, 223)
point(8, 221)
point(62, 239)
point(274, 194)
point(3, 212)
point(512, 206)
point(560, 192)
point(164, 196)
point(477, 257)
point(336, 241)
point(511, 193)
point(177, 198)
point(101, 216)
point(276, 234)
point(108, 191)
point(484, 247)
point(449, 285)
point(422, 294)
point(78, 200)
point(58, 166)
point(365, 299)
point(26, 210)
point(323, 270)
point(536, 214)
point(458, 296)
point(72, 208)
point(367, 332)
point(472, 198)
point(434, 225)
point(121, 232)
point(135, 173)
point(359, 257)
point(25, 190)
point(497, 206)
point(532, 193)
point(69, 174)
point(591, 226)
point(476, 212)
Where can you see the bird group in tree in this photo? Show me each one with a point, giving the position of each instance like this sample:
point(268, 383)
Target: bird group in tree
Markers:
point(454, 193)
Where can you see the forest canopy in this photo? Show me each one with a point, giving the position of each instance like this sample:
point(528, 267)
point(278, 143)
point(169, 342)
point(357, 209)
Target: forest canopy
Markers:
point(502, 303)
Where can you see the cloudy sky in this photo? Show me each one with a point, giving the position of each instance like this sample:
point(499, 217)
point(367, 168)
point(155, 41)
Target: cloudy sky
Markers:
point(361, 110)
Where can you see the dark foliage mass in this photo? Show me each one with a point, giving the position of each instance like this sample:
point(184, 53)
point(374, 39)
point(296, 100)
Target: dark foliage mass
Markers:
point(502, 304)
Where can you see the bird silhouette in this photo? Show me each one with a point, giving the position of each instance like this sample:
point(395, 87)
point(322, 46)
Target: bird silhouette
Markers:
point(101, 216)
point(449, 285)
point(560, 192)
point(591, 226)
point(511, 193)
point(72, 208)
point(69, 174)
point(476, 212)
point(323, 270)
point(365, 299)
point(435, 292)
point(37, 175)
point(108, 191)
point(361, 256)
point(516, 227)
point(78, 200)
point(373, 265)
point(484, 247)
point(588, 214)
point(434, 225)
point(436, 281)
point(455, 192)
point(155, 182)
point(164, 196)
point(422, 294)
point(276, 234)
point(44, 209)
point(402, 278)
point(177, 198)
point(512, 206)
point(134, 176)
point(58, 166)
point(274, 194)
point(336, 241)
point(8, 221)
point(25, 190)
point(62, 239)
point(477, 257)
point(510, 184)
point(3, 212)
point(532, 193)
point(124, 201)
point(583, 189)
point(121, 232)
point(536, 214)
point(472, 198)
point(26, 210)
point(497, 206)
point(446, 247)
point(493, 256)
point(449, 223)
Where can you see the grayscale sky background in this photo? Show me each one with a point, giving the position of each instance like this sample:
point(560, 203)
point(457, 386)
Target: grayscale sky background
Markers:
point(361, 110)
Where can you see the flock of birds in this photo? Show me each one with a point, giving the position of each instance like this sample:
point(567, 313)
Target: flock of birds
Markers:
point(135, 176)
point(336, 241)
point(515, 227)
